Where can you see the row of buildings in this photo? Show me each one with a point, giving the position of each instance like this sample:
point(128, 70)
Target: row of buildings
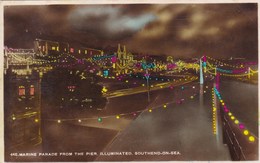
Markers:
point(120, 61)
point(47, 47)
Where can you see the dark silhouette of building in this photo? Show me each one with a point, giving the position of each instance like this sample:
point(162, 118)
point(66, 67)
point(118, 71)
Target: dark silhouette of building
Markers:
point(22, 109)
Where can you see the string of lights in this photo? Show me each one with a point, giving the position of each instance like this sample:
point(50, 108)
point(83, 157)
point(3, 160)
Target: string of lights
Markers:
point(118, 116)
point(230, 73)
point(214, 114)
point(223, 63)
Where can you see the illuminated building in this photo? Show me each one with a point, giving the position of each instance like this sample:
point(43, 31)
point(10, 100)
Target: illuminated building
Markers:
point(125, 61)
point(18, 59)
point(169, 59)
point(49, 48)
point(46, 47)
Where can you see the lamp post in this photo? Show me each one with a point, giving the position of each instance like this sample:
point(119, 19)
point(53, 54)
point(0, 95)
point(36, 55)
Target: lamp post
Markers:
point(201, 73)
point(147, 75)
point(248, 72)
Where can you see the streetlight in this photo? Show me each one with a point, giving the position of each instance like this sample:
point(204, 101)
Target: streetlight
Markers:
point(147, 75)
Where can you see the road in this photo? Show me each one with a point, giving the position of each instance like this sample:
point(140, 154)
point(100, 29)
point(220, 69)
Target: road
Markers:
point(153, 87)
point(91, 135)
point(185, 128)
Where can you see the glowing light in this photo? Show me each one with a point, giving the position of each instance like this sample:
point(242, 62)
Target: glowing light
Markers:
point(36, 120)
point(105, 73)
point(232, 117)
point(143, 85)
point(104, 90)
point(79, 120)
point(161, 86)
point(246, 132)
point(150, 110)
point(59, 121)
point(251, 138)
point(164, 105)
point(113, 59)
point(182, 87)
point(99, 119)
point(241, 126)
point(230, 114)
point(117, 117)
point(21, 91)
point(126, 81)
point(191, 97)
point(236, 122)
point(13, 118)
point(31, 90)
point(193, 87)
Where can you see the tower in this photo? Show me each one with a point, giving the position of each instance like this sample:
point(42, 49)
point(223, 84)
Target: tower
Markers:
point(118, 52)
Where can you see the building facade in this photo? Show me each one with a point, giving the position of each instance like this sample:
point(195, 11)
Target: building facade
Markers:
point(22, 110)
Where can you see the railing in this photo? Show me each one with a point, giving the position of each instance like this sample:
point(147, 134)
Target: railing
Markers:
point(229, 138)
point(242, 144)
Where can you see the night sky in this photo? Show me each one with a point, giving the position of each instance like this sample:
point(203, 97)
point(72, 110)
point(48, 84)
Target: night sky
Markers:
point(180, 30)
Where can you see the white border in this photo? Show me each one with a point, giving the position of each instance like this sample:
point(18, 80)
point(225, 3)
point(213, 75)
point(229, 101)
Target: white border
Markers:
point(78, 2)
point(40, 2)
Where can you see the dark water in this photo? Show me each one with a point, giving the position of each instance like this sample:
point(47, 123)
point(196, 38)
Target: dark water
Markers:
point(242, 100)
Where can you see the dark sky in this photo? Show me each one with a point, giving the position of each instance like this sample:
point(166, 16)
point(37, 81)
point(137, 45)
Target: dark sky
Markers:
point(181, 30)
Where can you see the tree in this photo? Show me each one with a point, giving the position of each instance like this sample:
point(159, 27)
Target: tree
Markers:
point(72, 89)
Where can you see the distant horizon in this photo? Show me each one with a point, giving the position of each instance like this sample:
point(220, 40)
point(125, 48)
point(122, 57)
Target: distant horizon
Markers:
point(134, 53)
